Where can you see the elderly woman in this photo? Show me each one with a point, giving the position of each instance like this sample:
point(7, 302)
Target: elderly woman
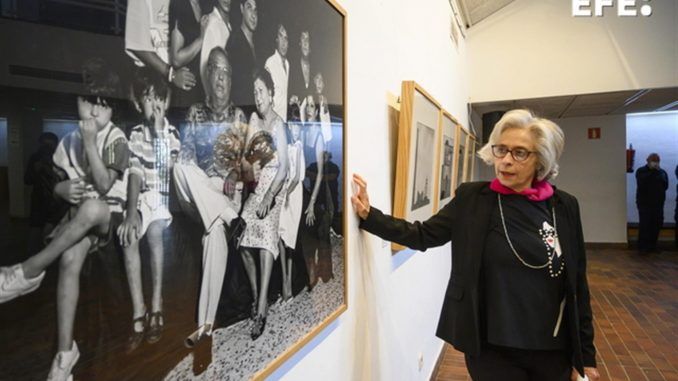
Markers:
point(517, 303)
point(267, 147)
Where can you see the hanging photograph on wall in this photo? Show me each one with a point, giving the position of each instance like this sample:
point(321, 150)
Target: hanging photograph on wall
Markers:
point(468, 157)
point(460, 156)
point(172, 198)
point(417, 170)
point(446, 148)
point(473, 158)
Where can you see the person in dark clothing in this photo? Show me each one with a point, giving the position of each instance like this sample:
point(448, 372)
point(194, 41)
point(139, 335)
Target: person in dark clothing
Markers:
point(332, 173)
point(517, 303)
point(242, 54)
point(45, 210)
point(652, 183)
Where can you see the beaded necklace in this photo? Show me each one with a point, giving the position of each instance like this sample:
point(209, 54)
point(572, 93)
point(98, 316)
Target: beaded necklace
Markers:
point(551, 256)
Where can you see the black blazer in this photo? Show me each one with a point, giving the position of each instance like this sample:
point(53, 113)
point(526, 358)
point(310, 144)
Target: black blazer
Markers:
point(465, 221)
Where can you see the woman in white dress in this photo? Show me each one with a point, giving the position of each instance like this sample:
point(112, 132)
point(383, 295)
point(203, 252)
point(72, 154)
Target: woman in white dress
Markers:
point(292, 207)
point(267, 148)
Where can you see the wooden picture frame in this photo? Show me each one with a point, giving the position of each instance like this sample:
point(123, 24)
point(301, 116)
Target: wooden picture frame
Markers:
point(473, 160)
point(447, 158)
point(469, 152)
point(460, 155)
point(416, 183)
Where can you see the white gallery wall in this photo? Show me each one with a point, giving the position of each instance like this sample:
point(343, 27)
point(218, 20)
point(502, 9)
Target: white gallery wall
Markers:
point(594, 170)
point(535, 48)
point(394, 302)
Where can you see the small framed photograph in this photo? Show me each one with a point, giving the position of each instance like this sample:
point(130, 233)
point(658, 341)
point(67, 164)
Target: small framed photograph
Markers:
point(469, 153)
point(446, 156)
point(460, 156)
point(416, 185)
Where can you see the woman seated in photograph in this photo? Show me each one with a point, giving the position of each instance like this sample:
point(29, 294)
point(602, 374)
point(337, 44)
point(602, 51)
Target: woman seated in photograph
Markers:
point(267, 149)
point(517, 303)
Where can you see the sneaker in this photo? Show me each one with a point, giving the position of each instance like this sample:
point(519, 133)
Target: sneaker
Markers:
point(63, 364)
point(13, 283)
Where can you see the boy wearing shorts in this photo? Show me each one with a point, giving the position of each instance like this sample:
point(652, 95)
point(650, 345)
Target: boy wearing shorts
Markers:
point(154, 146)
point(90, 163)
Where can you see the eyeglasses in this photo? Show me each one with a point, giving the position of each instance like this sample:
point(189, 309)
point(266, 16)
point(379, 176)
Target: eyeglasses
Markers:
point(518, 154)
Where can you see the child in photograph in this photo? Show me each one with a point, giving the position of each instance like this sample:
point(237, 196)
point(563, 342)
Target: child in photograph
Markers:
point(154, 146)
point(90, 162)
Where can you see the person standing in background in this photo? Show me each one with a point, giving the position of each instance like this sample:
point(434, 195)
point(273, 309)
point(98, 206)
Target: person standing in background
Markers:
point(279, 68)
point(187, 25)
point(217, 32)
point(46, 211)
point(300, 77)
point(147, 40)
point(242, 54)
point(652, 182)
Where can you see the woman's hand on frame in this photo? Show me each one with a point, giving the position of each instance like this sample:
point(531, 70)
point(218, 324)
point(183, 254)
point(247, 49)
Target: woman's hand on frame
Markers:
point(360, 199)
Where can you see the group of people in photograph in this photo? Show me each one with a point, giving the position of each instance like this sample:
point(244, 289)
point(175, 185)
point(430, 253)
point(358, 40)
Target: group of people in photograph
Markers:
point(255, 130)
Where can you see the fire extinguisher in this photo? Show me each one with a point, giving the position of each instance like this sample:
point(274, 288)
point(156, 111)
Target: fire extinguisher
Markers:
point(630, 157)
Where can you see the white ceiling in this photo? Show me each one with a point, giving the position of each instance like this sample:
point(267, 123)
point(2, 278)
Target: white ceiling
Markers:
point(611, 103)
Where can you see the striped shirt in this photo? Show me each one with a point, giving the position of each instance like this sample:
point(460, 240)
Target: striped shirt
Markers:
point(70, 161)
point(152, 156)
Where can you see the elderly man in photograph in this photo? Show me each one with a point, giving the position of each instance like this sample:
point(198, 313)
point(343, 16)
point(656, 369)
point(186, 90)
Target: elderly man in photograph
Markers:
point(207, 179)
point(652, 183)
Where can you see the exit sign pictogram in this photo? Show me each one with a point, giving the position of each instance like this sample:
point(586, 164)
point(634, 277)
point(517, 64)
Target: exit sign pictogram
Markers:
point(594, 133)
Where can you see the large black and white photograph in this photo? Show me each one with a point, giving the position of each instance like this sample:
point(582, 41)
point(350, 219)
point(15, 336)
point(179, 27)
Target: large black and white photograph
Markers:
point(171, 186)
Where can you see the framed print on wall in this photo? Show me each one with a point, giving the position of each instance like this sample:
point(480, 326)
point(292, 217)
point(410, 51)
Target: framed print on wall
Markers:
point(416, 184)
point(460, 156)
point(469, 154)
point(123, 118)
point(416, 169)
point(446, 148)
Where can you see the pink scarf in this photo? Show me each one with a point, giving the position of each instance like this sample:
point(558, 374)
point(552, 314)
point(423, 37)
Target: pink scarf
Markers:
point(540, 191)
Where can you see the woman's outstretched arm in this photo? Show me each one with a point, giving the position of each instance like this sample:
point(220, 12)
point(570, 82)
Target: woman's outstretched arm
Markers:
point(435, 231)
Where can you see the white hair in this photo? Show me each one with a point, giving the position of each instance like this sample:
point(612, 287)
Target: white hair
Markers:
point(549, 140)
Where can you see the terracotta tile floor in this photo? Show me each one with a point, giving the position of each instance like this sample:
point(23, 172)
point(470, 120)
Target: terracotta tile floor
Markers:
point(635, 307)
